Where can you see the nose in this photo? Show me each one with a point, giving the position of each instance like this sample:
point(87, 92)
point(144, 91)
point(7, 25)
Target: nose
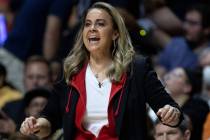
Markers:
point(93, 27)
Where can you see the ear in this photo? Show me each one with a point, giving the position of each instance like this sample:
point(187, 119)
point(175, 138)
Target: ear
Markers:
point(115, 35)
point(187, 134)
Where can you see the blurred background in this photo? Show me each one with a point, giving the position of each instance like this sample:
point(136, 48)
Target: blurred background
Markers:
point(36, 36)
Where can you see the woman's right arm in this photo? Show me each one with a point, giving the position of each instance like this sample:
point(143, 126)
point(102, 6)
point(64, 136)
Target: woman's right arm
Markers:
point(40, 127)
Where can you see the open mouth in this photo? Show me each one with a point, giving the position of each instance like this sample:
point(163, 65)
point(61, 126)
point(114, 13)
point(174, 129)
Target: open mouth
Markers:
point(93, 40)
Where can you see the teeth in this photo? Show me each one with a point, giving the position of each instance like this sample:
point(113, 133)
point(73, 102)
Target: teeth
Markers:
point(93, 39)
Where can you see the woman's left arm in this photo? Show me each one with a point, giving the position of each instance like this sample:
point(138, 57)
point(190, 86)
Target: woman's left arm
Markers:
point(165, 107)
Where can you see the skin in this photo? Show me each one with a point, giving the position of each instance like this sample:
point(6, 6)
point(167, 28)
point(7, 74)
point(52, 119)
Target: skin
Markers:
point(176, 83)
point(36, 75)
point(193, 26)
point(36, 106)
point(98, 25)
point(163, 132)
point(178, 87)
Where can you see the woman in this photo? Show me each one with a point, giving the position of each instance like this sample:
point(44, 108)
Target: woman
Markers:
point(107, 86)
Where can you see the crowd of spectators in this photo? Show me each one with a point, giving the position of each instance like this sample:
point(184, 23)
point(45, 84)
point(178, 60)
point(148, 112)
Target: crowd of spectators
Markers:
point(175, 35)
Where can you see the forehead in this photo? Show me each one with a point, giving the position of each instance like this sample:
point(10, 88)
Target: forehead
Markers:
point(35, 66)
point(160, 128)
point(178, 73)
point(97, 13)
point(195, 15)
point(38, 99)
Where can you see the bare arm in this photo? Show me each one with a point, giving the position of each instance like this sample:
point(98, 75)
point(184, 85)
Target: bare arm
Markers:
point(51, 37)
point(40, 127)
point(166, 20)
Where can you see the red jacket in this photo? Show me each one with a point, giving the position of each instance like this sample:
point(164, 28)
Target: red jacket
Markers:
point(107, 132)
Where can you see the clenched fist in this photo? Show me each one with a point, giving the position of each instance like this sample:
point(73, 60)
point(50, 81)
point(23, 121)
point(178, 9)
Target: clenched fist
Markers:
point(169, 115)
point(40, 127)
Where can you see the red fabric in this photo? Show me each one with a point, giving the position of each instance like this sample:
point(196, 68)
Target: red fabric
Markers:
point(107, 132)
point(4, 1)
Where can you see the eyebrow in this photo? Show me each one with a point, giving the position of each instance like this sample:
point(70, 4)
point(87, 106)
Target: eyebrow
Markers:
point(88, 20)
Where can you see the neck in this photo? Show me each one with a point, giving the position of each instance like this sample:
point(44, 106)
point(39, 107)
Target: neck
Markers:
point(180, 98)
point(99, 62)
point(99, 66)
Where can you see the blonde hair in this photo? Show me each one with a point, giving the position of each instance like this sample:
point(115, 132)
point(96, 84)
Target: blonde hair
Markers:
point(122, 55)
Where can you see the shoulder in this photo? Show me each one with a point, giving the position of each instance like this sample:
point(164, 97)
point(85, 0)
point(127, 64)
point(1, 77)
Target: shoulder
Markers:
point(176, 42)
point(60, 88)
point(178, 39)
point(142, 62)
point(141, 65)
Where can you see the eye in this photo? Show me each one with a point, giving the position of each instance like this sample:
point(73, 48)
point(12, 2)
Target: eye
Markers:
point(87, 24)
point(101, 24)
point(159, 134)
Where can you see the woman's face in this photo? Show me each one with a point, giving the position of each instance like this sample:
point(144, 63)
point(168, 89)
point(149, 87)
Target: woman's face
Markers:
point(98, 32)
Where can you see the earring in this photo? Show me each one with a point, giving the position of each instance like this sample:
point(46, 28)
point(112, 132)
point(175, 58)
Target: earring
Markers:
point(115, 47)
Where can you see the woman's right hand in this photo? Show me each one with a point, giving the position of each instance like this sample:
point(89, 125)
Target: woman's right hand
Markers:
point(30, 126)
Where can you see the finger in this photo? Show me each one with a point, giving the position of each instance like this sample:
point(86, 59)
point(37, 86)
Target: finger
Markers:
point(159, 112)
point(36, 128)
point(175, 118)
point(168, 114)
point(164, 111)
point(172, 119)
point(27, 126)
point(31, 123)
point(24, 129)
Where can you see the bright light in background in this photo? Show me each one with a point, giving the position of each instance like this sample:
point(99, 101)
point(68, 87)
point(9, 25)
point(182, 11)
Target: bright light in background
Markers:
point(142, 32)
point(3, 29)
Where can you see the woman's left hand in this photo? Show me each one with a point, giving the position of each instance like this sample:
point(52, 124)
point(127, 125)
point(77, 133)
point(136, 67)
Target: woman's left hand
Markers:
point(169, 115)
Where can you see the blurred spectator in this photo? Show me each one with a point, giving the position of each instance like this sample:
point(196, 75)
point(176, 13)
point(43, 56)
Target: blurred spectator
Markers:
point(159, 19)
point(26, 38)
point(9, 8)
point(36, 74)
point(34, 101)
point(183, 51)
point(162, 16)
point(180, 7)
point(182, 132)
point(206, 128)
point(182, 84)
point(7, 91)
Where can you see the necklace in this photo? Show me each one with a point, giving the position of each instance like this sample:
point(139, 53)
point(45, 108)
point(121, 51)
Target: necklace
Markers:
point(99, 83)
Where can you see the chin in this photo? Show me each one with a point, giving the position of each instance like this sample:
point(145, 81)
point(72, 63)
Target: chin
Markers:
point(92, 48)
